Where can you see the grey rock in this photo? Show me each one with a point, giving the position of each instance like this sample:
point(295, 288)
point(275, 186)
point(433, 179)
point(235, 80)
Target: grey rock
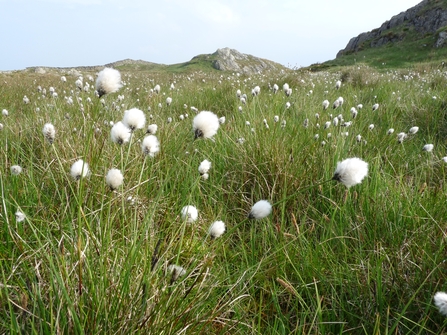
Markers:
point(227, 59)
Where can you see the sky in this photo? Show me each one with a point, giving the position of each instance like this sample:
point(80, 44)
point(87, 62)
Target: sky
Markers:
point(70, 33)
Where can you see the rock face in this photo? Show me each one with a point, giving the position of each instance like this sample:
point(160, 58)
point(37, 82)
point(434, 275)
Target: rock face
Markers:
point(227, 59)
point(425, 18)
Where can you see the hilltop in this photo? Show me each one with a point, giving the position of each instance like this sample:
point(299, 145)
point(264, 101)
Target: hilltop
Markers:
point(417, 35)
point(224, 59)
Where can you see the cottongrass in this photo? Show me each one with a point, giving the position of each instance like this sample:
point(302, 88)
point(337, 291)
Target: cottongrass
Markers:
point(260, 210)
point(150, 145)
point(49, 132)
point(428, 147)
point(114, 179)
point(440, 299)
point(152, 129)
point(134, 118)
point(189, 214)
point(120, 133)
point(79, 169)
point(205, 124)
point(16, 170)
point(108, 81)
point(20, 217)
point(351, 171)
point(217, 229)
point(413, 130)
point(175, 271)
point(204, 166)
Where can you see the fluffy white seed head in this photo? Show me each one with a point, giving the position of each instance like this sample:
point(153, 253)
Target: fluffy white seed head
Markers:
point(260, 210)
point(120, 133)
point(428, 147)
point(152, 129)
point(16, 170)
point(205, 124)
point(114, 179)
point(351, 171)
point(20, 216)
point(175, 271)
point(401, 137)
point(150, 145)
point(79, 169)
point(134, 118)
point(108, 81)
point(440, 300)
point(325, 104)
point(189, 214)
point(204, 166)
point(49, 132)
point(375, 107)
point(217, 229)
point(413, 130)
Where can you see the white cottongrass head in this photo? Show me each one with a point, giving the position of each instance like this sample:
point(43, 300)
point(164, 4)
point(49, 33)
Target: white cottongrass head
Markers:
point(20, 216)
point(440, 299)
point(120, 133)
point(79, 169)
point(351, 171)
point(428, 147)
point(150, 145)
point(108, 81)
point(204, 167)
point(189, 214)
point(152, 129)
point(205, 124)
point(375, 107)
point(114, 179)
point(337, 84)
point(5, 112)
point(49, 132)
point(401, 137)
point(175, 271)
point(134, 118)
point(16, 170)
point(413, 130)
point(260, 210)
point(217, 229)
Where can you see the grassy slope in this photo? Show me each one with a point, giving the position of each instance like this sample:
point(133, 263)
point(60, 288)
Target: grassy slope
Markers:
point(412, 49)
point(326, 261)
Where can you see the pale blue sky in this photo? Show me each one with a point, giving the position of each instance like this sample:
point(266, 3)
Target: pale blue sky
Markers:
point(68, 33)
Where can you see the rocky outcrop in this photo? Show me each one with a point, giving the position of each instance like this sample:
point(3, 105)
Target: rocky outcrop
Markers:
point(426, 17)
point(227, 59)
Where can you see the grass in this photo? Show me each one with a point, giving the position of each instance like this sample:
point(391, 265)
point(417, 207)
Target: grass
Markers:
point(328, 260)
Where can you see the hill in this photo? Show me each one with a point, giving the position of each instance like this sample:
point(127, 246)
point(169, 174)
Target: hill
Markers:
point(224, 59)
point(417, 35)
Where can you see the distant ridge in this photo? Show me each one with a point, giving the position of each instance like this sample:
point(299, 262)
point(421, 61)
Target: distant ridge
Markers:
point(224, 59)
